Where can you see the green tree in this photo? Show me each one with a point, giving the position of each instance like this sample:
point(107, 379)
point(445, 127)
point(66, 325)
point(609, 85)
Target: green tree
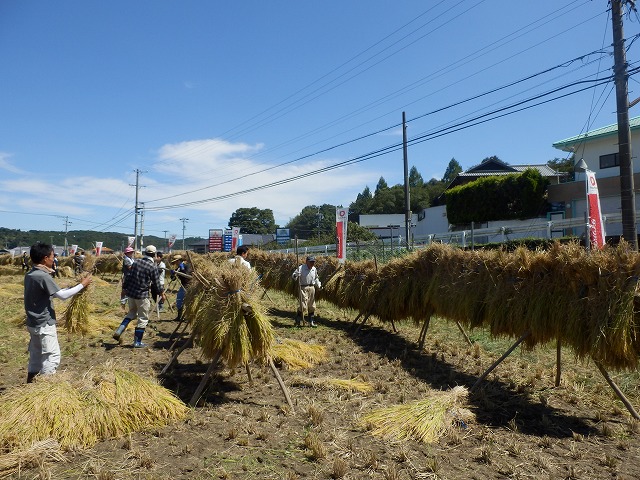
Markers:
point(564, 166)
point(313, 221)
point(453, 169)
point(362, 205)
point(381, 186)
point(415, 179)
point(253, 220)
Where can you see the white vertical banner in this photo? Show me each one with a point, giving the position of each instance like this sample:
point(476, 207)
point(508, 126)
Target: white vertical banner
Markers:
point(172, 240)
point(130, 241)
point(235, 236)
point(98, 248)
point(73, 249)
point(342, 216)
point(596, 226)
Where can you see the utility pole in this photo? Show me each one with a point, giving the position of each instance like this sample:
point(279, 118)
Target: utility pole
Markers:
point(135, 211)
point(407, 200)
point(142, 226)
point(66, 229)
point(164, 248)
point(627, 194)
point(184, 221)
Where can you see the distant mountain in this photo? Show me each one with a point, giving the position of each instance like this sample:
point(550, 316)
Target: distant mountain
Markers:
point(85, 239)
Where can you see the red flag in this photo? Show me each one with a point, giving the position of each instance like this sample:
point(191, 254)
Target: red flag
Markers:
point(596, 226)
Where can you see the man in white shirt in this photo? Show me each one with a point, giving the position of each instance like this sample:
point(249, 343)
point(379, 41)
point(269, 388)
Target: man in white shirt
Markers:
point(241, 257)
point(307, 277)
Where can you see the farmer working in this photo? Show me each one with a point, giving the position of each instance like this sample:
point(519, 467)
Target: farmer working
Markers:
point(39, 290)
point(307, 277)
point(241, 257)
point(182, 270)
point(136, 285)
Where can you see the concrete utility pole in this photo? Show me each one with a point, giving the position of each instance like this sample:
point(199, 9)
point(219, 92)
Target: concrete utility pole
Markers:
point(627, 194)
point(184, 221)
point(407, 200)
point(66, 229)
point(164, 248)
point(135, 209)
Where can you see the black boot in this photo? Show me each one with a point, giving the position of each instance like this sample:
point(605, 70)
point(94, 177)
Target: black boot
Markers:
point(179, 317)
point(31, 376)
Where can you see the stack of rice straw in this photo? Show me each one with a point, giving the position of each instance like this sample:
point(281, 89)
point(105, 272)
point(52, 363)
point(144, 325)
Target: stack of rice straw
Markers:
point(227, 318)
point(78, 412)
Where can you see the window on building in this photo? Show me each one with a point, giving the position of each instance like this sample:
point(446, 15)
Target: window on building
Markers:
point(610, 160)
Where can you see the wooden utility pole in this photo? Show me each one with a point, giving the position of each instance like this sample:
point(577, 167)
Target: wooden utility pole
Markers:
point(407, 200)
point(627, 194)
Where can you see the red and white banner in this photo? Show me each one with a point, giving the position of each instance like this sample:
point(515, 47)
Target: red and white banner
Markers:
point(172, 240)
point(342, 217)
point(596, 226)
point(130, 241)
point(235, 236)
point(98, 248)
point(73, 249)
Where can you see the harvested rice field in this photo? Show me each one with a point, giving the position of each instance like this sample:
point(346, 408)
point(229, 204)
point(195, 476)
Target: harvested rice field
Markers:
point(367, 403)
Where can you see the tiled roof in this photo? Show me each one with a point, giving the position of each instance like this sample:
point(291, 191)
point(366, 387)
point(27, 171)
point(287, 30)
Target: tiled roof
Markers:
point(545, 171)
point(567, 143)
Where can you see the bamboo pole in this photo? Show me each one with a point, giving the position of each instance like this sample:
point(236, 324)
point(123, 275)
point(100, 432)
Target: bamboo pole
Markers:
point(205, 380)
point(499, 361)
point(616, 389)
point(283, 387)
point(464, 334)
point(423, 333)
point(178, 352)
point(558, 364)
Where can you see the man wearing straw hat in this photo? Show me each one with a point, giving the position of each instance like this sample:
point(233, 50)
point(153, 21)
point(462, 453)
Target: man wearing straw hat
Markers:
point(136, 285)
point(39, 290)
point(307, 277)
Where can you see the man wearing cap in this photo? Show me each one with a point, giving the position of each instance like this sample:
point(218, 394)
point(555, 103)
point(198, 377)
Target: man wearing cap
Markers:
point(307, 277)
point(182, 270)
point(136, 285)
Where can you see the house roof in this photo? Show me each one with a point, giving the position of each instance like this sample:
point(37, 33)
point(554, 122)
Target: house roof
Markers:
point(568, 144)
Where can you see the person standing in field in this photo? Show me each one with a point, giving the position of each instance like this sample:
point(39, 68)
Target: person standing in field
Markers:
point(127, 263)
point(25, 261)
point(182, 270)
point(136, 287)
point(39, 290)
point(161, 271)
point(242, 252)
point(307, 277)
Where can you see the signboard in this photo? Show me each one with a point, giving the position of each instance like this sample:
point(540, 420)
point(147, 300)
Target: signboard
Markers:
point(172, 240)
point(342, 215)
point(282, 236)
point(215, 239)
point(227, 240)
point(235, 237)
point(98, 248)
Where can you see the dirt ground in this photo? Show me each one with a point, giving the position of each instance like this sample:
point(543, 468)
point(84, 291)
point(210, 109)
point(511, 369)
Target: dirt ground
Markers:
point(524, 427)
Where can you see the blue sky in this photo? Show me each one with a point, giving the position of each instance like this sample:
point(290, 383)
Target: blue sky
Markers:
point(210, 99)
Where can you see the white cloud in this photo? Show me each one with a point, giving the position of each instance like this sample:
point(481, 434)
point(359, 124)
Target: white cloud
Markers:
point(6, 165)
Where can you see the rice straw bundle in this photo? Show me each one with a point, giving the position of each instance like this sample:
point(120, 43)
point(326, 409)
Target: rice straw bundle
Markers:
point(227, 316)
point(80, 412)
point(298, 355)
point(425, 420)
point(47, 450)
point(353, 385)
point(76, 315)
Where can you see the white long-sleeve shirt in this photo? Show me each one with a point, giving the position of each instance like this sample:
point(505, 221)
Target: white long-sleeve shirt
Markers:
point(308, 276)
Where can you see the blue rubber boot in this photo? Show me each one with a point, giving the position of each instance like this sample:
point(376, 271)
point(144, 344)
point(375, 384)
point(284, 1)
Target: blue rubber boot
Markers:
point(137, 338)
point(121, 328)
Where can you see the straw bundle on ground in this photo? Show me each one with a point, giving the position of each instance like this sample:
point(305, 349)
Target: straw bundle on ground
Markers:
point(46, 450)
point(425, 420)
point(298, 355)
point(78, 412)
point(352, 385)
point(226, 313)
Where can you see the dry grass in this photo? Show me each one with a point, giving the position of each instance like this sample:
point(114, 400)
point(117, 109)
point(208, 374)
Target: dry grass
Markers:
point(298, 355)
point(325, 383)
point(77, 412)
point(38, 452)
point(425, 420)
